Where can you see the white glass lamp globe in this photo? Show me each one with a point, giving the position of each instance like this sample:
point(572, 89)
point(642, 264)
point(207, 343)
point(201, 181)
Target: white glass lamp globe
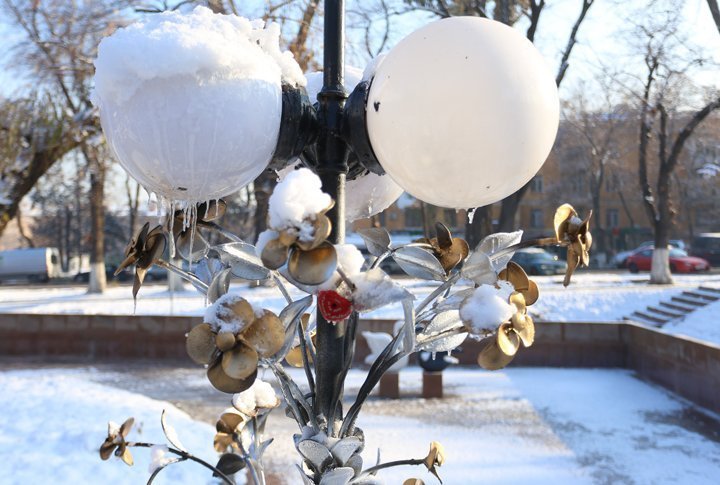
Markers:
point(191, 104)
point(462, 112)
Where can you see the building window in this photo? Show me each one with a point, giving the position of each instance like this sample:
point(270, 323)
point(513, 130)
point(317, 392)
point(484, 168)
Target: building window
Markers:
point(612, 219)
point(536, 184)
point(413, 217)
point(536, 218)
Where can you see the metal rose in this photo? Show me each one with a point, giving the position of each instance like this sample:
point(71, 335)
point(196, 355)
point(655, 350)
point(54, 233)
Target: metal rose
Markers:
point(232, 342)
point(311, 260)
point(333, 306)
point(573, 232)
point(143, 251)
point(115, 442)
point(450, 251)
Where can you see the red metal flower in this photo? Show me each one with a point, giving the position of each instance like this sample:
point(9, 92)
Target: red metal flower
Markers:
point(334, 307)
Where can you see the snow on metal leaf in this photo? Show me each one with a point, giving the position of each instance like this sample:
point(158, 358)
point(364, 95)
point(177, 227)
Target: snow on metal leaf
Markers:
point(338, 476)
point(344, 449)
point(219, 285)
point(454, 301)
point(479, 269)
point(290, 316)
point(497, 242)
point(419, 263)
point(446, 322)
point(170, 432)
point(376, 239)
point(315, 453)
point(243, 260)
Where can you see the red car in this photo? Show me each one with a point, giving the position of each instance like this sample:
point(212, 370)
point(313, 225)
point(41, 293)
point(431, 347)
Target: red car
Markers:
point(680, 262)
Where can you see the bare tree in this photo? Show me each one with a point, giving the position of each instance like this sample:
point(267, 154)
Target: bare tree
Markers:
point(667, 59)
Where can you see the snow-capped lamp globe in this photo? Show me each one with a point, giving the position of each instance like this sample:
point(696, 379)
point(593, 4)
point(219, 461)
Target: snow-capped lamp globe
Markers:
point(462, 112)
point(191, 104)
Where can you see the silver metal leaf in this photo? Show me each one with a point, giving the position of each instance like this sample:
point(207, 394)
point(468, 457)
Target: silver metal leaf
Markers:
point(368, 480)
point(290, 317)
point(315, 453)
point(495, 243)
point(306, 480)
point(356, 463)
point(243, 260)
point(419, 263)
point(409, 327)
point(191, 245)
point(377, 240)
point(338, 476)
point(219, 285)
point(170, 432)
point(479, 269)
point(446, 322)
point(344, 449)
point(208, 268)
point(454, 301)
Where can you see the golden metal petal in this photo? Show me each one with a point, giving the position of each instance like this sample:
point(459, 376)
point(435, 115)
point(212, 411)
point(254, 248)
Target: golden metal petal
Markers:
point(225, 341)
point(274, 254)
point(222, 442)
point(517, 277)
point(532, 293)
point(200, 344)
point(138, 281)
point(239, 309)
point(107, 448)
point(562, 214)
point(444, 236)
point(436, 455)
point(312, 267)
point(287, 238)
point(130, 259)
point(266, 335)
point(518, 299)
point(524, 327)
point(240, 362)
point(231, 420)
point(126, 456)
point(587, 240)
point(507, 340)
point(491, 357)
point(413, 481)
point(294, 357)
point(573, 259)
point(222, 382)
point(126, 427)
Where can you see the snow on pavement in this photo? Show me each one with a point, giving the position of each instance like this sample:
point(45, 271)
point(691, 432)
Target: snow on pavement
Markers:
point(53, 422)
point(545, 426)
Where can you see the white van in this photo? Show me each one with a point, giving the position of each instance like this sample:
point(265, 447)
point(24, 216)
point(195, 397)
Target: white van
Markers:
point(33, 264)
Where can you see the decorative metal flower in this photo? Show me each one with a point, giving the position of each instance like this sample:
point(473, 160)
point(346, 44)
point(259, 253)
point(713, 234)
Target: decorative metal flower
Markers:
point(115, 442)
point(228, 426)
point(450, 251)
point(333, 306)
point(310, 258)
point(143, 251)
point(573, 232)
point(435, 458)
point(232, 339)
point(499, 350)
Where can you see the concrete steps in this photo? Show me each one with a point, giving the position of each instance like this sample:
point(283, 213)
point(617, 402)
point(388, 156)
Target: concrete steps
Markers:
point(676, 307)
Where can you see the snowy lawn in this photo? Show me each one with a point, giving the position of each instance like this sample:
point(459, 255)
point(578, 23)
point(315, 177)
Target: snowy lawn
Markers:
point(541, 426)
point(592, 297)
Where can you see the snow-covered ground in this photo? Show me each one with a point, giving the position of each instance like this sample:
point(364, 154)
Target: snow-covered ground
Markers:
point(542, 426)
point(592, 297)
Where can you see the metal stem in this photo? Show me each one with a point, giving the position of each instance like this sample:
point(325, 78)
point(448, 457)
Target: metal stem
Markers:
point(332, 153)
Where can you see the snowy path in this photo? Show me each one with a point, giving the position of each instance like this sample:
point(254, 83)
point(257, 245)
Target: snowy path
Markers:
point(544, 426)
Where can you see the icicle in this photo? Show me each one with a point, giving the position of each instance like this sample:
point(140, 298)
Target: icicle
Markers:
point(471, 215)
point(191, 220)
point(171, 230)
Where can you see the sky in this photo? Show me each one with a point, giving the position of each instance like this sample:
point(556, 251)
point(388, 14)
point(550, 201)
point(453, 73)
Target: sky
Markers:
point(602, 42)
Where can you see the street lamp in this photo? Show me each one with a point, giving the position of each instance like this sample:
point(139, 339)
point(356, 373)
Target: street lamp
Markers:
point(460, 114)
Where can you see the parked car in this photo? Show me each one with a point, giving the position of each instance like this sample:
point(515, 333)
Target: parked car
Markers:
point(680, 262)
point(707, 246)
point(620, 259)
point(536, 261)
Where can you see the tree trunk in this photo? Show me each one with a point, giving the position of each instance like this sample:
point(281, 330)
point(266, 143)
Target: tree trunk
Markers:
point(98, 281)
point(509, 208)
point(480, 226)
